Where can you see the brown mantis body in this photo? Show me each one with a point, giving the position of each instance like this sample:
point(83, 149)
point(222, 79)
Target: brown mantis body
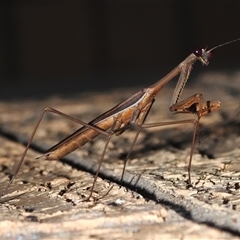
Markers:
point(133, 110)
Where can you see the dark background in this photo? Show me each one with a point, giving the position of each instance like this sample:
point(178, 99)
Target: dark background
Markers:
point(68, 47)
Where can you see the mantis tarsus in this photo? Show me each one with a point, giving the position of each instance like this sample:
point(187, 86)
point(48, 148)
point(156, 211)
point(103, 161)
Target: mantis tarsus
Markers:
point(133, 110)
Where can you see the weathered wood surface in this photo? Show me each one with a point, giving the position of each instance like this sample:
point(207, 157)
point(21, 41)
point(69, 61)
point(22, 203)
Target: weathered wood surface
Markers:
point(152, 202)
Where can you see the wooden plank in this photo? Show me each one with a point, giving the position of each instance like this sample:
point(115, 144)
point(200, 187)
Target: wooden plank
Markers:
point(45, 199)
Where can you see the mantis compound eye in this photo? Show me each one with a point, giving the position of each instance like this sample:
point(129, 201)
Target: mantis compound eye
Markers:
point(198, 52)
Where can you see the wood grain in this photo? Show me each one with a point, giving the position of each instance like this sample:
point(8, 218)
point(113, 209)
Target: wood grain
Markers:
point(45, 200)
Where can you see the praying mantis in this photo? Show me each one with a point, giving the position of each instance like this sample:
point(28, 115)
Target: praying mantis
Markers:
point(132, 111)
